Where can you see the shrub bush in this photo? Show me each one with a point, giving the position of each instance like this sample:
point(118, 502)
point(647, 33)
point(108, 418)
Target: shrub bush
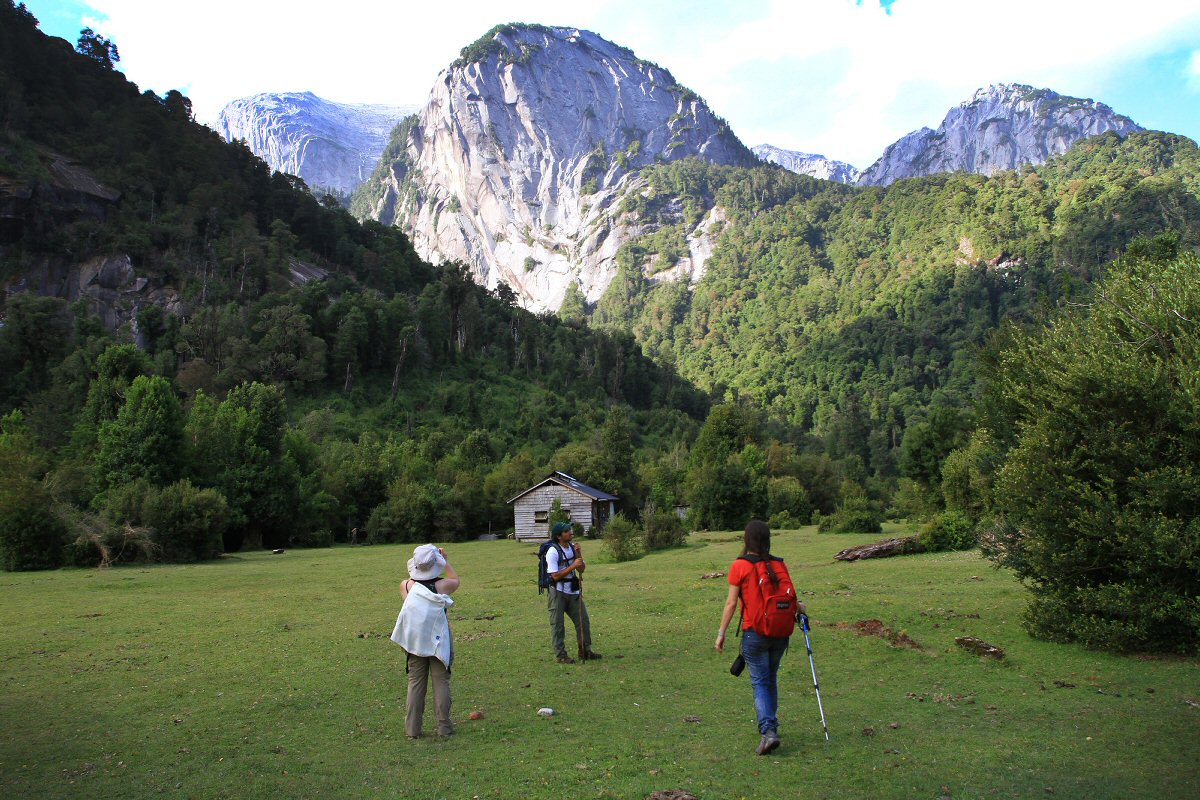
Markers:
point(315, 525)
point(854, 514)
point(911, 500)
point(861, 520)
point(663, 529)
point(622, 538)
point(315, 538)
point(384, 525)
point(31, 535)
point(406, 516)
point(950, 530)
point(787, 499)
point(783, 521)
point(126, 502)
point(1116, 617)
point(189, 523)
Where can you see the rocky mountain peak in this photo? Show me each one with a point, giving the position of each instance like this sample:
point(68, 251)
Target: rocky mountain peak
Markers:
point(818, 166)
point(332, 146)
point(525, 143)
point(1002, 126)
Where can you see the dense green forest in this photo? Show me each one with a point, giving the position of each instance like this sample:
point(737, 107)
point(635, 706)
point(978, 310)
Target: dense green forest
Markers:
point(855, 316)
point(1010, 359)
point(275, 372)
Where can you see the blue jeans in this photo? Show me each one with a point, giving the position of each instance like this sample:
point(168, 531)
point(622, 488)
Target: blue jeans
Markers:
point(763, 654)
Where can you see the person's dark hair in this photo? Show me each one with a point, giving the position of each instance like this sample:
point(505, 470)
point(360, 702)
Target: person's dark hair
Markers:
point(757, 539)
point(558, 529)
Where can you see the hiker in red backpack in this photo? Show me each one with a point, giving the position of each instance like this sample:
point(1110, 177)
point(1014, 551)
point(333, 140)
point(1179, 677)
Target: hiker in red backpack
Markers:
point(770, 609)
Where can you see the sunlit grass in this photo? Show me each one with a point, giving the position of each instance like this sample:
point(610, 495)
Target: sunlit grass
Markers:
point(271, 676)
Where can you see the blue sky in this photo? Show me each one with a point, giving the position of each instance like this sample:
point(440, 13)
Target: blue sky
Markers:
point(843, 78)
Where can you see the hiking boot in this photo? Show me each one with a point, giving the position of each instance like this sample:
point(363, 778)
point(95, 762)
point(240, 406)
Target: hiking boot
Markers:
point(591, 655)
point(563, 658)
point(769, 741)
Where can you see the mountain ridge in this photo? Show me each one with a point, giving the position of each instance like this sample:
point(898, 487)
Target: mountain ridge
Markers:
point(330, 145)
point(813, 164)
point(525, 162)
point(1002, 126)
point(525, 146)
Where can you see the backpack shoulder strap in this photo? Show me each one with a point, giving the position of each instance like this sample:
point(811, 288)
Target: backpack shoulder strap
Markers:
point(562, 557)
point(752, 559)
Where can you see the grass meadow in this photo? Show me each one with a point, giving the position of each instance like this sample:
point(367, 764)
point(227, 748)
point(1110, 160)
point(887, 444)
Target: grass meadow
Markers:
point(271, 676)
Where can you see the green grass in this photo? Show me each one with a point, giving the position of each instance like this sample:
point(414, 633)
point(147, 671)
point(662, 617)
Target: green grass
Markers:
point(271, 676)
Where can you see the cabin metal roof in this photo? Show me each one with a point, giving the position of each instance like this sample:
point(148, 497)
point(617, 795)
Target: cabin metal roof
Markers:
point(563, 479)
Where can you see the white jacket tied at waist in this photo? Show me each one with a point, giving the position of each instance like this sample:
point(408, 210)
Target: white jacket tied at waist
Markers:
point(423, 627)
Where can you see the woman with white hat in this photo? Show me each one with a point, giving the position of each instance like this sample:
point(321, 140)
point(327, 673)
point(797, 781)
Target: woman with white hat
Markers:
point(423, 630)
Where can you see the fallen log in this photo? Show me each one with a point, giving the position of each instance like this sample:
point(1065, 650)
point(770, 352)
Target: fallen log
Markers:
point(888, 547)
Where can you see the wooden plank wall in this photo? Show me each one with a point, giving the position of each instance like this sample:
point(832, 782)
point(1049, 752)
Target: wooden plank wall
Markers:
point(539, 499)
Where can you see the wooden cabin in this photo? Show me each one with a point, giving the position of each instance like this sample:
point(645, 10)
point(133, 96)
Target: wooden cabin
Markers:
point(590, 507)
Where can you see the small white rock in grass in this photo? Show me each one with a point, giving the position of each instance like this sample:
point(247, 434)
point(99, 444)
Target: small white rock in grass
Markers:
point(545, 712)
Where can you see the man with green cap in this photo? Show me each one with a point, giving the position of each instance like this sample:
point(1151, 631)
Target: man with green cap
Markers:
point(564, 564)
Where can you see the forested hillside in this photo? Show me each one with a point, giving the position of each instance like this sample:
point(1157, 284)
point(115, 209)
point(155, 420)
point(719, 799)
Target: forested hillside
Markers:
point(1009, 360)
point(855, 315)
point(305, 374)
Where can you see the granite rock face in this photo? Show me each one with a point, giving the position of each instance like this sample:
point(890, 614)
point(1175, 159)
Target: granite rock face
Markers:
point(332, 146)
point(108, 285)
point(519, 160)
point(817, 166)
point(1003, 126)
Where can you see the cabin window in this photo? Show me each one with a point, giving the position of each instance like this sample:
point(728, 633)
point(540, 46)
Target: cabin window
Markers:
point(541, 516)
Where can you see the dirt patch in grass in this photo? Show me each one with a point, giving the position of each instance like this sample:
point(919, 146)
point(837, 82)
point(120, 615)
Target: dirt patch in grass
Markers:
point(874, 627)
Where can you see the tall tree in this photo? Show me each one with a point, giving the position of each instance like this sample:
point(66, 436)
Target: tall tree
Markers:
point(238, 449)
point(1099, 491)
point(97, 48)
point(145, 441)
point(720, 483)
point(287, 349)
point(349, 344)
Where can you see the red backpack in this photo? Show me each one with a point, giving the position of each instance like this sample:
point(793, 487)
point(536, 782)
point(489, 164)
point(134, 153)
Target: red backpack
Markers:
point(777, 617)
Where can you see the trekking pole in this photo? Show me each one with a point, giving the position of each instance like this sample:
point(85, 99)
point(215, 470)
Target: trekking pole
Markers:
point(816, 685)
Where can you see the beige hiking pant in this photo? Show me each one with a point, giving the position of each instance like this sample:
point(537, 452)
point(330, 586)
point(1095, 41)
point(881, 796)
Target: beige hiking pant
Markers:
point(420, 670)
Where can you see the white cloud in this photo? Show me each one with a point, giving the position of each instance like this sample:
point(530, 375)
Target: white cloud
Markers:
point(950, 47)
point(353, 51)
point(854, 77)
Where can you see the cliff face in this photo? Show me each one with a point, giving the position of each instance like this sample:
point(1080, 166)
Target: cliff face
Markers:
point(817, 166)
point(518, 163)
point(1001, 127)
point(526, 143)
point(330, 145)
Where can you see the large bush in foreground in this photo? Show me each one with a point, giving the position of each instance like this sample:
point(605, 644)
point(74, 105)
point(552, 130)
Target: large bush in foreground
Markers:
point(1100, 486)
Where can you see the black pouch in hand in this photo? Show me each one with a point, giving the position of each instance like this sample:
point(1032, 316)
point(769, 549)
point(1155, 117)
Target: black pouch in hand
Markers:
point(738, 665)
